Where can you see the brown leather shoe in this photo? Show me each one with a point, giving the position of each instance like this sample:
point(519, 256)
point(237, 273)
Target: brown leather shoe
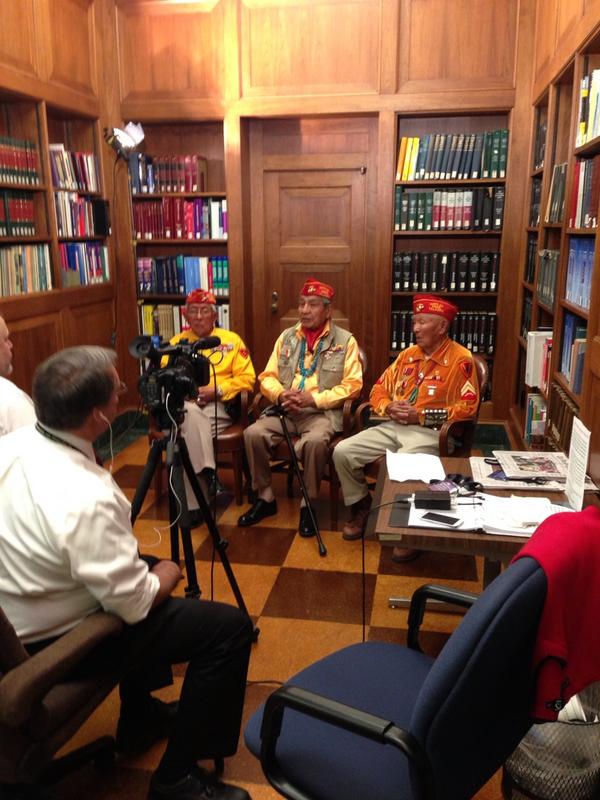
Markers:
point(355, 527)
point(400, 555)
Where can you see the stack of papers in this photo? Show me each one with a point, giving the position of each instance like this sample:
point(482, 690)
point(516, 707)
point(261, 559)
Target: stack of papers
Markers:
point(414, 467)
point(505, 516)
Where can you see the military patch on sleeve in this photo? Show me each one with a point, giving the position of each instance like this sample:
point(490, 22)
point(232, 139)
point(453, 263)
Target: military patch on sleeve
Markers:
point(468, 392)
point(466, 368)
point(243, 352)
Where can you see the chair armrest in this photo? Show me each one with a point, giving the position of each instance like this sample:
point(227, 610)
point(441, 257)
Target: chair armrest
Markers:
point(418, 603)
point(361, 723)
point(244, 402)
point(259, 403)
point(361, 414)
point(455, 429)
point(27, 684)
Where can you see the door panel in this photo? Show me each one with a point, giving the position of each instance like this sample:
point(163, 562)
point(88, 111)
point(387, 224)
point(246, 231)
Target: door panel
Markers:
point(314, 226)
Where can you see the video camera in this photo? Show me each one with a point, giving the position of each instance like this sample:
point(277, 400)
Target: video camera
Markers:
point(187, 369)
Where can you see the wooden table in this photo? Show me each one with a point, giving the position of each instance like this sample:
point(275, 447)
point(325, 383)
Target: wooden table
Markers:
point(495, 549)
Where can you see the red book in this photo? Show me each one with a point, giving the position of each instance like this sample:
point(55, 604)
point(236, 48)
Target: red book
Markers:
point(595, 190)
point(188, 174)
point(188, 207)
point(178, 217)
point(167, 213)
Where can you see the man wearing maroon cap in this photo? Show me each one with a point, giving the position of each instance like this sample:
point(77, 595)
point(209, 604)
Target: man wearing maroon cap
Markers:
point(430, 382)
point(210, 412)
point(312, 370)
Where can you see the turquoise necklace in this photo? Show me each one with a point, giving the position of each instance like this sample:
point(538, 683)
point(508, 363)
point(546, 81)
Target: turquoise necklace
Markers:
point(306, 373)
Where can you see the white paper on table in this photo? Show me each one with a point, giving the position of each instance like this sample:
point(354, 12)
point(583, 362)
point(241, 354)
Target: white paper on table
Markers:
point(414, 467)
point(578, 459)
point(516, 516)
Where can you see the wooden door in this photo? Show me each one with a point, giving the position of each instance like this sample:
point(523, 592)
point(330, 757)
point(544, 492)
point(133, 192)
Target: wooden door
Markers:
point(309, 219)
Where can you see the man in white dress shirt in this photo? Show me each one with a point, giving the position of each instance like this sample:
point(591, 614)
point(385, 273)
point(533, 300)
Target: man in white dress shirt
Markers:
point(16, 408)
point(67, 549)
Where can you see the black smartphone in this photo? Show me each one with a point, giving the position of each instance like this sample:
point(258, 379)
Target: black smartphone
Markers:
point(441, 519)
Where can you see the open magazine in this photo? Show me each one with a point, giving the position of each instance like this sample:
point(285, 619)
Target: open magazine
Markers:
point(527, 464)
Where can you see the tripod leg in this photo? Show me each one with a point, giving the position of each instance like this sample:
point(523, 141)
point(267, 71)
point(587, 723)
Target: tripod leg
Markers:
point(220, 544)
point(152, 462)
point(174, 464)
point(298, 471)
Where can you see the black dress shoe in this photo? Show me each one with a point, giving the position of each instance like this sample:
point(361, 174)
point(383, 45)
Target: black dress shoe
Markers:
point(136, 731)
point(260, 510)
point(196, 785)
point(214, 485)
point(305, 526)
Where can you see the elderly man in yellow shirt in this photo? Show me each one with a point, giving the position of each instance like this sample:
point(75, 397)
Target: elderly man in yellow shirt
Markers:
point(312, 370)
point(205, 418)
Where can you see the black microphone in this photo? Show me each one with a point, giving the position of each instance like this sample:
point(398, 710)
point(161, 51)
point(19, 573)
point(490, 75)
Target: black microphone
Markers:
point(207, 343)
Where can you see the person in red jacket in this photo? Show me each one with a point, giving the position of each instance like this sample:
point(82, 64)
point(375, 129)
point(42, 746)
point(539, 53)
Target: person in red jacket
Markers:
point(430, 382)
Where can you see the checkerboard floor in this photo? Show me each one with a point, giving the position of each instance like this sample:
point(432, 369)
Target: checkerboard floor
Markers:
point(305, 606)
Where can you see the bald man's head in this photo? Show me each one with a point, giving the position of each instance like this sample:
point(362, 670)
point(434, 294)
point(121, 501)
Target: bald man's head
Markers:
point(5, 351)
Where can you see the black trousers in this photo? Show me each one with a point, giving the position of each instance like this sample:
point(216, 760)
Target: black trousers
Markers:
point(215, 638)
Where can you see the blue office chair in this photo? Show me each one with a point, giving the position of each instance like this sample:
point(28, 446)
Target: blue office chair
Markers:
point(381, 721)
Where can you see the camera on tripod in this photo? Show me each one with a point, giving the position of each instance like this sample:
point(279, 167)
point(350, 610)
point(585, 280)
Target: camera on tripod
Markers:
point(185, 371)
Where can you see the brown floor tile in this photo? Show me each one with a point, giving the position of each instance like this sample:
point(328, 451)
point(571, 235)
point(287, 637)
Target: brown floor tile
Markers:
point(341, 555)
point(285, 646)
point(128, 476)
point(254, 545)
point(450, 566)
point(319, 595)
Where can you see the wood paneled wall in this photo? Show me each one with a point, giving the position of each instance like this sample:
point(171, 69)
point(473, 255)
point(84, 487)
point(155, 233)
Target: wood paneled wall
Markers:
point(238, 60)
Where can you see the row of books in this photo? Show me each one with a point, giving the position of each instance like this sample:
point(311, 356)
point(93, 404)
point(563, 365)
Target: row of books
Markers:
point(181, 274)
point(580, 268)
point(167, 320)
point(25, 269)
point(83, 263)
point(476, 209)
point(176, 218)
point(475, 330)
point(588, 118)
point(181, 173)
point(19, 162)
point(586, 193)
point(81, 216)
point(574, 338)
point(546, 277)
point(17, 213)
point(560, 413)
point(535, 205)
point(531, 258)
point(535, 420)
point(73, 170)
point(445, 272)
point(452, 156)
point(555, 208)
point(539, 145)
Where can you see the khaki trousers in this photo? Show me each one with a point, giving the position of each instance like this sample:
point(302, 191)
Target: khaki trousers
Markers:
point(199, 427)
point(352, 454)
point(312, 448)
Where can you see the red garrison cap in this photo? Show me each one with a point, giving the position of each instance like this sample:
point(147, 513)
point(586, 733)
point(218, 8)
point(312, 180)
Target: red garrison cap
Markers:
point(200, 296)
point(430, 304)
point(315, 288)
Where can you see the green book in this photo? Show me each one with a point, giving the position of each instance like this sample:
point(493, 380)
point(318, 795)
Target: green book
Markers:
point(503, 157)
point(412, 211)
point(428, 221)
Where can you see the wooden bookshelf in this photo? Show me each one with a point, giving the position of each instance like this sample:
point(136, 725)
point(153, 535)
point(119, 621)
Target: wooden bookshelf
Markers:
point(460, 159)
point(195, 245)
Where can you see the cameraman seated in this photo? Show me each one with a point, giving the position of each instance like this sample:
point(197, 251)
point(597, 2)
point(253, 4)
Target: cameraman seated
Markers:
point(214, 408)
point(67, 549)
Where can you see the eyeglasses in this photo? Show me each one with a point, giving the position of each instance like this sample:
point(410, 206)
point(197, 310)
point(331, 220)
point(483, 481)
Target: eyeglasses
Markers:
point(200, 311)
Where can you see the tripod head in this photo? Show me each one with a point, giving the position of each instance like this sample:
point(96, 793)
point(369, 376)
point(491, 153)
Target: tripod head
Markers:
point(275, 410)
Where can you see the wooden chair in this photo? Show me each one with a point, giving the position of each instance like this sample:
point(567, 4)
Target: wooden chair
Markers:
point(281, 456)
point(228, 446)
point(456, 437)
